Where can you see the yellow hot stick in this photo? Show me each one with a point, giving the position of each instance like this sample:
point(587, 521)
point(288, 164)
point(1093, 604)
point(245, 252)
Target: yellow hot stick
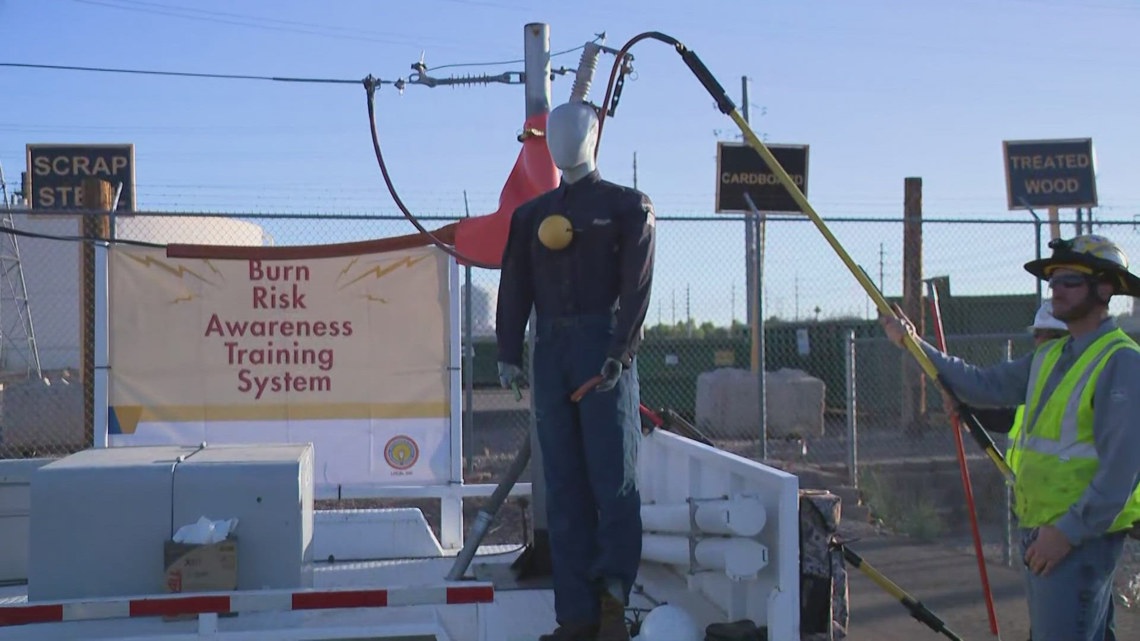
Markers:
point(727, 107)
point(908, 341)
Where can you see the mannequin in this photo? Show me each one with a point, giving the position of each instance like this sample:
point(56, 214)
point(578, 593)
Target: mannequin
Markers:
point(582, 256)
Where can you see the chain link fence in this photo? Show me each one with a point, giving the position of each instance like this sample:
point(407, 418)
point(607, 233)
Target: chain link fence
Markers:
point(698, 347)
point(838, 397)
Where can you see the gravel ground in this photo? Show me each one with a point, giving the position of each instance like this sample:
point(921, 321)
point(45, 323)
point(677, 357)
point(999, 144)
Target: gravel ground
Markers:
point(1128, 576)
point(1127, 581)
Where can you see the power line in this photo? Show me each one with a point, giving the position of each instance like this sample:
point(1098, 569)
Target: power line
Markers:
point(186, 74)
point(254, 22)
point(512, 62)
point(291, 26)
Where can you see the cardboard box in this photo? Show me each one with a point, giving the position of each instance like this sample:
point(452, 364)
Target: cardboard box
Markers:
point(211, 567)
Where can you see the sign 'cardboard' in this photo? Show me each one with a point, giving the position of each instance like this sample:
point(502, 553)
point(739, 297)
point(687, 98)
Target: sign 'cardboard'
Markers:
point(740, 170)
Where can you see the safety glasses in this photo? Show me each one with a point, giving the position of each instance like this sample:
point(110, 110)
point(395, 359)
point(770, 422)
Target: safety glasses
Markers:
point(1066, 281)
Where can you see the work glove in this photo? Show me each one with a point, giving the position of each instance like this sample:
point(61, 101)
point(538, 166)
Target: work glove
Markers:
point(509, 374)
point(611, 372)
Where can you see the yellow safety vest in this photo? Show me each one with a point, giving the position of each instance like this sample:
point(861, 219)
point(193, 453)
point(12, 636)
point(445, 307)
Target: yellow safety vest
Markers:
point(1055, 451)
point(1011, 454)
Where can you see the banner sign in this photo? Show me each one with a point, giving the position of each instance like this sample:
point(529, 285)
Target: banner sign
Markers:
point(740, 170)
point(56, 173)
point(353, 354)
point(1050, 173)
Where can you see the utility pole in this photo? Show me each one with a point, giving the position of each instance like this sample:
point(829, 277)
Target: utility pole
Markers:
point(535, 561)
point(754, 225)
point(635, 170)
point(880, 267)
point(914, 396)
point(797, 297)
point(688, 313)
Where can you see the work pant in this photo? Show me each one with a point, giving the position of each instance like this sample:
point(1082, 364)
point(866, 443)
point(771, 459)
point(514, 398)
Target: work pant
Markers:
point(1074, 602)
point(589, 452)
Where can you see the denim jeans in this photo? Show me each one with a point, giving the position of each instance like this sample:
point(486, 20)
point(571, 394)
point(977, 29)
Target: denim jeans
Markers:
point(1074, 602)
point(589, 456)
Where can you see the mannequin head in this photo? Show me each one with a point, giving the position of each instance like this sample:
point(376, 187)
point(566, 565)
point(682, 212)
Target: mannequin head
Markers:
point(571, 136)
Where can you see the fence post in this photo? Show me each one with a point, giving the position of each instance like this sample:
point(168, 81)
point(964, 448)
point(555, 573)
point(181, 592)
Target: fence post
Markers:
point(1037, 244)
point(469, 365)
point(98, 195)
point(1007, 549)
point(852, 416)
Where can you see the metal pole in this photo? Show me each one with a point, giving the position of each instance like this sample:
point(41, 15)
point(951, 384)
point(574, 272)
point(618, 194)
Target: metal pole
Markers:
point(1036, 242)
point(749, 233)
point(758, 324)
point(1007, 549)
point(468, 359)
point(536, 52)
point(852, 415)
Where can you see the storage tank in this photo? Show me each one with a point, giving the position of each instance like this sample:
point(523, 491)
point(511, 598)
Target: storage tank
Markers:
point(39, 417)
point(52, 276)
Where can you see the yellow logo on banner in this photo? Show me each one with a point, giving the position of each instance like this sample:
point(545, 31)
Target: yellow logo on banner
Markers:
point(401, 452)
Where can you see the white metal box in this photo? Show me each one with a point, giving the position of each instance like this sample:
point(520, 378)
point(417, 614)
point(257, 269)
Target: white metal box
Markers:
point(16, 515)
point(99, 521)
point(269, 489)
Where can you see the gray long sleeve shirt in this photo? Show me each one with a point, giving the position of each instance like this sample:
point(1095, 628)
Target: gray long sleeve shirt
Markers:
point(1116, 421)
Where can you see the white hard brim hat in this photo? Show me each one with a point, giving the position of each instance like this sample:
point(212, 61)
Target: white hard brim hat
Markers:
point(1045, 320)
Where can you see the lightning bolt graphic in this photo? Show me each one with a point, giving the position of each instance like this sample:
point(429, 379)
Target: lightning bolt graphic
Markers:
point(178, 271)
point(383, 270)
point(181, 299)
point(347, 268)
point(214, 269)
point(375, 299)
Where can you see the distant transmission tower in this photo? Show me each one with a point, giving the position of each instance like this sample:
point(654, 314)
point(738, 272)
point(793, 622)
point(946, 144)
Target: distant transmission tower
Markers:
point(17, 336)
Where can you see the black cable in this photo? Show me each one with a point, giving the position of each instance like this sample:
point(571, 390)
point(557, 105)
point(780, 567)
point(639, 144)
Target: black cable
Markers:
point(188, 74)
point(369, 86)
point(80, 239)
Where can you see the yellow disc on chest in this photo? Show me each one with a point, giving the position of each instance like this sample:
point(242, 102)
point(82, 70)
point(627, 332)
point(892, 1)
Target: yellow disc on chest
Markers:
point(555, 232)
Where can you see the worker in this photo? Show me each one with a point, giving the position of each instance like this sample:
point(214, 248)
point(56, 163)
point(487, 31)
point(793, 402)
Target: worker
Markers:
point(1076, 493)
point(582, 256)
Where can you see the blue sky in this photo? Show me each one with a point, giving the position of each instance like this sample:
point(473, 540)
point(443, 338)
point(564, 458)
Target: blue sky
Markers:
point(880, 90)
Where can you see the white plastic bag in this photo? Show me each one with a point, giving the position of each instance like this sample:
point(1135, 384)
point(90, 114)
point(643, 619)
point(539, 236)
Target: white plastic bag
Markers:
point(205, 531)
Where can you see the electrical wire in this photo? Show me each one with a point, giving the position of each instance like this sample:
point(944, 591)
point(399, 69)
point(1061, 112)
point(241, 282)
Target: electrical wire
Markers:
point(187, 74)
point(511, 62)
point(371, 93)
point(227, 76)
point(82, 239)
point(260, 23)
